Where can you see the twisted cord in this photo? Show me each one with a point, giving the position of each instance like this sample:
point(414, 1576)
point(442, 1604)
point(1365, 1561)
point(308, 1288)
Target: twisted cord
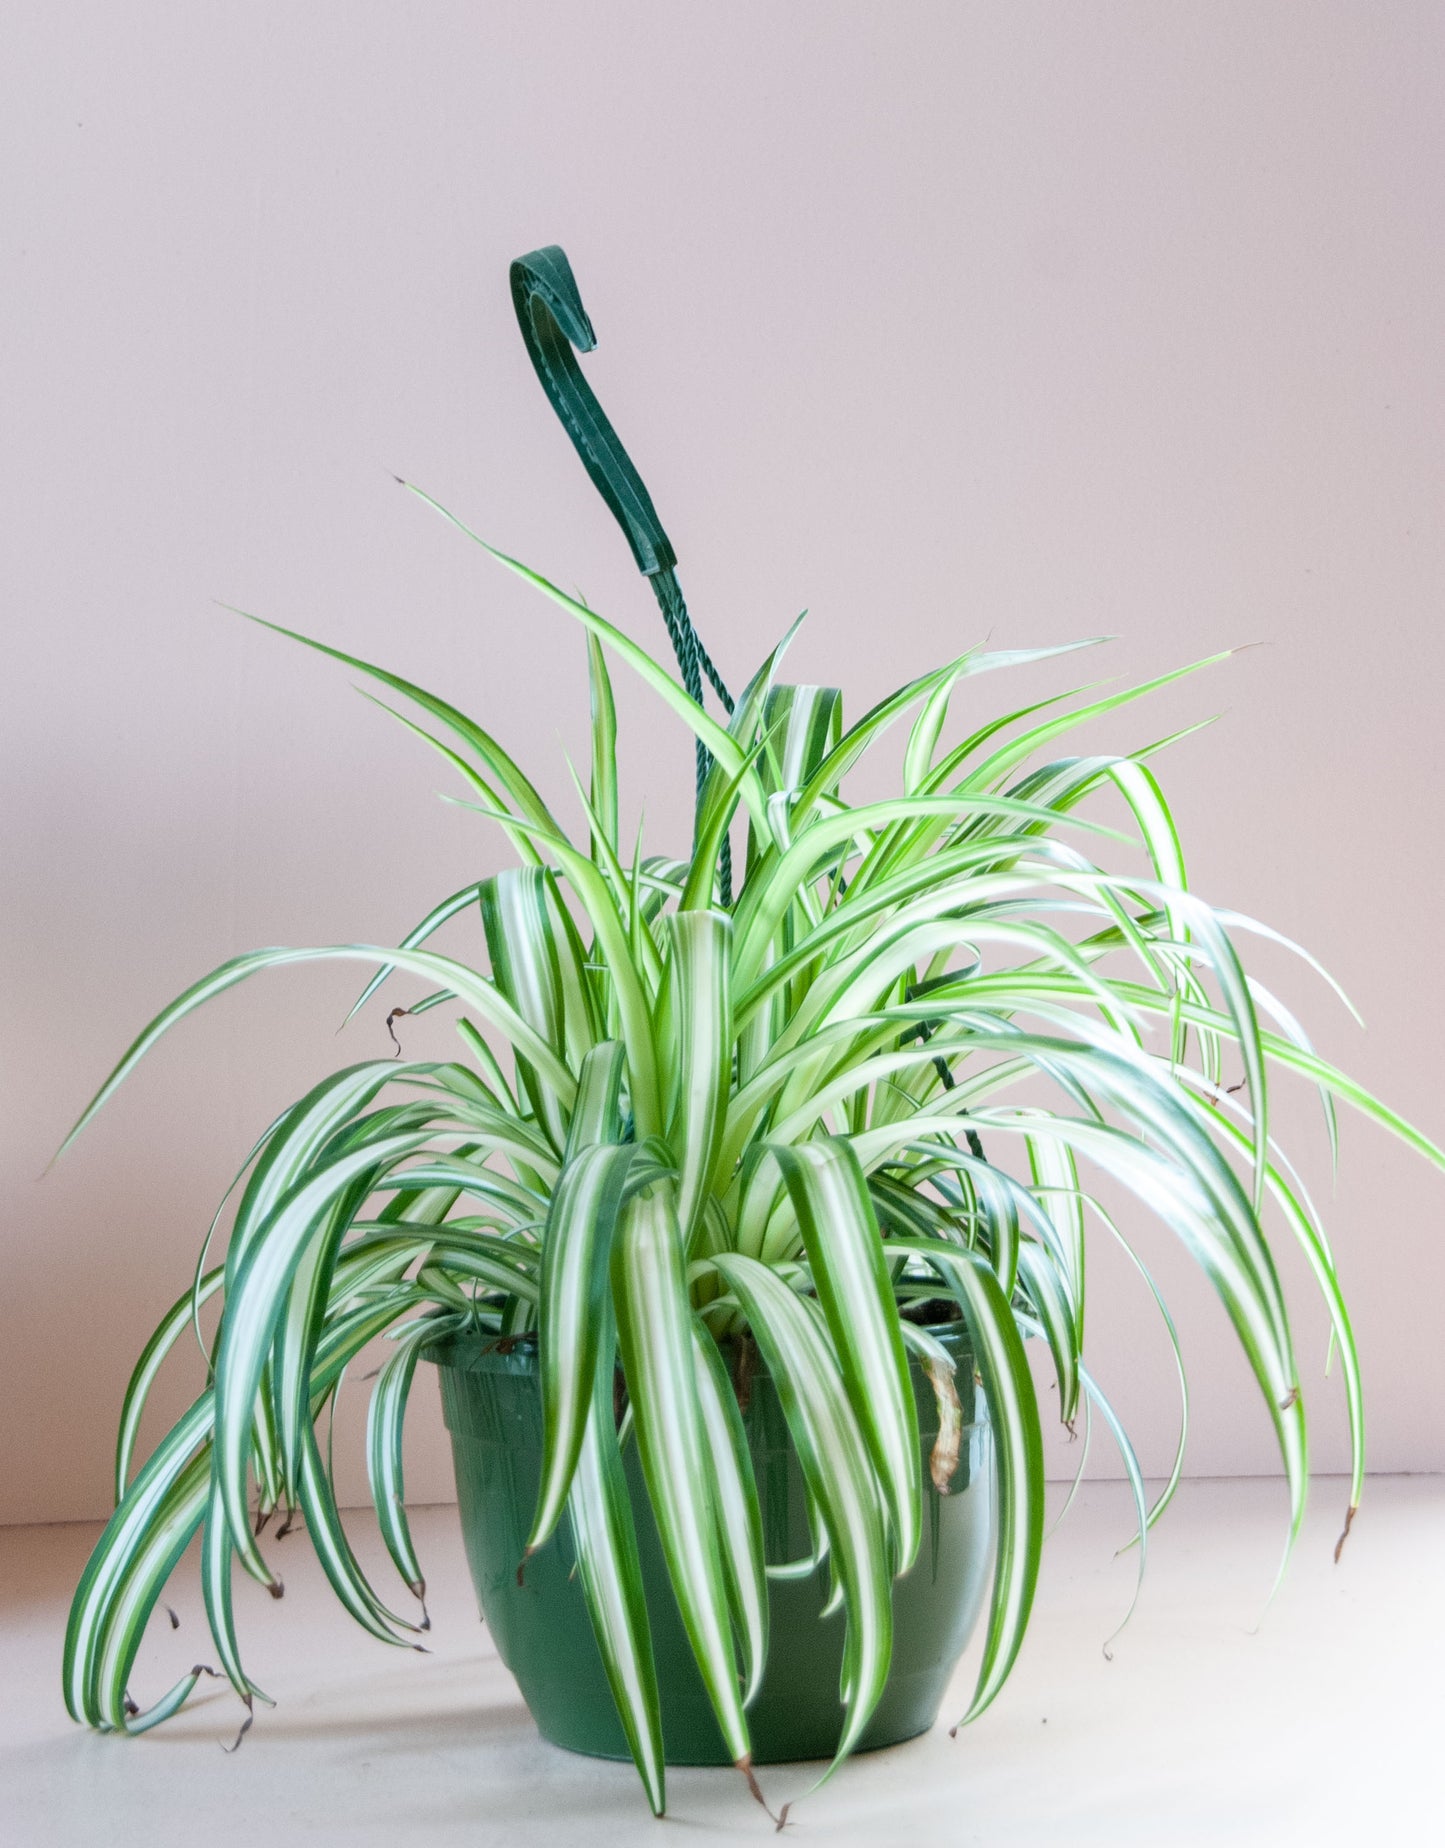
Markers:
point(693, 661)
point(713, 675)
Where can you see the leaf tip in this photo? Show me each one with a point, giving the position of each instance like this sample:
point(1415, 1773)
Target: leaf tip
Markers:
point(246, 1725)
point(755, 1789)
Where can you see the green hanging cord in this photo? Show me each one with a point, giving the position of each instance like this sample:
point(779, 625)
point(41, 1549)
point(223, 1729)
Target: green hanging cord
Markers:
point(554, 322)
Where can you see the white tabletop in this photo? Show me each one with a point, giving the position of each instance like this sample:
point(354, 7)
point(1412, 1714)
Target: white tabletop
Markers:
point(1316, 1725)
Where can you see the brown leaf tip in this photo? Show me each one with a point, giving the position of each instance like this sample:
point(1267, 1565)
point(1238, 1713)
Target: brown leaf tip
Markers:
point(745, 1765)
point(246, 1725)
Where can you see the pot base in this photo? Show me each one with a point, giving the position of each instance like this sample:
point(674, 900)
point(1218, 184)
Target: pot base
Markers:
point(760, 1760)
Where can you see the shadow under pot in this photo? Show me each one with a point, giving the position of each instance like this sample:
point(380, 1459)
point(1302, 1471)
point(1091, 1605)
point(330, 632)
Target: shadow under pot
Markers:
point(491, 1397)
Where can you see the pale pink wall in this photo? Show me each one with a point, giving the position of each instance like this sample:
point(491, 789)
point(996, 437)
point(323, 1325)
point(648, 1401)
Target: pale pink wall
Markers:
point(946, 321)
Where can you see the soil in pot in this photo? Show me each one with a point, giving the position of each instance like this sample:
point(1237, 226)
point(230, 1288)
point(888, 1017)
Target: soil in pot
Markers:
point(492, 1401)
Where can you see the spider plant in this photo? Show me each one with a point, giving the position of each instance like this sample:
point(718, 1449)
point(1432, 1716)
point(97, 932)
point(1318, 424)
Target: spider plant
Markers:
point(881, 1073)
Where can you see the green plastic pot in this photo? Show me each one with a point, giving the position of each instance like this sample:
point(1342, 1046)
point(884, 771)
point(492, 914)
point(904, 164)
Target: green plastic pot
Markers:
point(492, 1401)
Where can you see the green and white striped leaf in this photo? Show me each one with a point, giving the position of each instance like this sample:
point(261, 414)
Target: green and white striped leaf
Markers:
point(474, 990)
point(702, 990)
point(845, 1254)
point(604, 743)
point(833, 1455)
point(735, 1499)
point(611, 1575)
point(654, 1325)
point(802, 725)
point(177, 1318)
point(385, 1418)
point(576, 1256)
point(523, 947)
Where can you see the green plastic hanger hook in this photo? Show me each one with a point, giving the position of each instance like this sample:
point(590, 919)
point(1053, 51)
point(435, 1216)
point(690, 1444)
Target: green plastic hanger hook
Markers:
point(553, 321)
point(555, 327)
